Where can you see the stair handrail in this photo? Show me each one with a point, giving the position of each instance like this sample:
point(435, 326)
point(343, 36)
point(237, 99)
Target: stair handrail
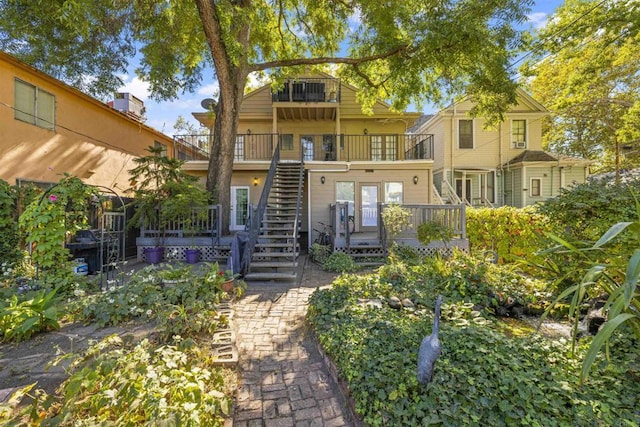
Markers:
point(450, 193)
point(254, 230)
point(296, 219)
point(437, 199)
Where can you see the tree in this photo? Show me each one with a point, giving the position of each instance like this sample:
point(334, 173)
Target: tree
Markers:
point(400, 50)
point(586, 71)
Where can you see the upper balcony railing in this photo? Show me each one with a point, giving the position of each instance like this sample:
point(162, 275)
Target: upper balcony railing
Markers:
point(308, 90)
point(327, 147)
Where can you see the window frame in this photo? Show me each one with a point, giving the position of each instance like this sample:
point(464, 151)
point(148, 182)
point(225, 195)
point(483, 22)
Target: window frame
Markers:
point(32, 113)
point(386, 191)
point(537, 193)
point(286, 144)
point(473, 134)
point(514, 140)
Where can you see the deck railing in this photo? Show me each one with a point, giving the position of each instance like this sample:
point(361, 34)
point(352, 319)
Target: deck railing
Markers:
point(200, 222)
point(308, 90)
point(450, 216)
point(323, 147)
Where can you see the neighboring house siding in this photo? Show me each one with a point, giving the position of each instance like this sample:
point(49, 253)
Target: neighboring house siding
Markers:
point(573, 175)
point(90, 140)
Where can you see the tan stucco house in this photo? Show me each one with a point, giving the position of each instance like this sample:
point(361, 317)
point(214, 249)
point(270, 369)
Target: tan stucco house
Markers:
point(503, 165)
point(48, 128)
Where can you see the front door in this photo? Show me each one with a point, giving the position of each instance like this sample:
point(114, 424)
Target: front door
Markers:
point(239, 208)
point(467, 189)
point(368, 207)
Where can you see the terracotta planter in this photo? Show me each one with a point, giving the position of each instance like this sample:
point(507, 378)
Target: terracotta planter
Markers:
point(227, 286)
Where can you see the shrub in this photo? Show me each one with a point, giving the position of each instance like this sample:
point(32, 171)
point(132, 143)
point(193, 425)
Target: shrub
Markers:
point(512, 232)
point(319, 253)
point(395, 219)
point(9, 251)
point(339, 262)
point(20, 320)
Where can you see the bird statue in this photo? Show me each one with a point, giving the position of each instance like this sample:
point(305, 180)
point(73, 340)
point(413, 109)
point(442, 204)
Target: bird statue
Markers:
point(429, 349)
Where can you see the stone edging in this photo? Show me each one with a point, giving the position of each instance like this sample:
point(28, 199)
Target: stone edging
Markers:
point(343, 389)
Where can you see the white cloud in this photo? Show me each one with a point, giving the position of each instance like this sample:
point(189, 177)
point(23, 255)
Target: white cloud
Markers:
point(135, 86)
point(209, 90)
point(355, 20)
point(538, 19)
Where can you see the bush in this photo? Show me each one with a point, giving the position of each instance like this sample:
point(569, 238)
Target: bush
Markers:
point(339, 262)
point(512, 232)
point(319, 253)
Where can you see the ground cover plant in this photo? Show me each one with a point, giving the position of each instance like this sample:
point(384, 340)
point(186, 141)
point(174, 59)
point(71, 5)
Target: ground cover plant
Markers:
point(120, 382)
point(486, 375)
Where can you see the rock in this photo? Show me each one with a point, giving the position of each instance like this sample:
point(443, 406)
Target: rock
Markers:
point(407, 303)
point(394, 302)
point(373, 303)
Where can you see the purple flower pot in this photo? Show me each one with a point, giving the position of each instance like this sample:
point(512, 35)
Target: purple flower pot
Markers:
point(192, 255)
point(154, 255)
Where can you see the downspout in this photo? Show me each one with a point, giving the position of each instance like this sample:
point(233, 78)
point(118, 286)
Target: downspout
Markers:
point(453, 144)
point(495, 189)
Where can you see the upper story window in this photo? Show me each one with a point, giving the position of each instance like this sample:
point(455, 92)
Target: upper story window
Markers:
point(238, 151)
point(519, 133)
point(163, 148)
point(465, 133)
point(34, 105)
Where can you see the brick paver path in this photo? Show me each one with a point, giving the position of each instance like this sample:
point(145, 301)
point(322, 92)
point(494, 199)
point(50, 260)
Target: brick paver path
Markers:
point(283, 379)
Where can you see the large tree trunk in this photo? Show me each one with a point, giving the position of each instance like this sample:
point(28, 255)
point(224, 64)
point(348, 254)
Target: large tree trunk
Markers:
point(224, 137)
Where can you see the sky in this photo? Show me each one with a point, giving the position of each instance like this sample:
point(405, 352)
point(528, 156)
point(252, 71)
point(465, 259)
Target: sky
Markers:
point(163, 115)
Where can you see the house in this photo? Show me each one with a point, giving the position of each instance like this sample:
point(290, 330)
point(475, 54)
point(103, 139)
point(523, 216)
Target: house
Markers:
point(504, 165)
point(307, 151)
point(49, 129)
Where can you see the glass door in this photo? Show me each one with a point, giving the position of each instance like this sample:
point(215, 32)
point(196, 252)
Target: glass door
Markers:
point(368, 207)
point(239, 208)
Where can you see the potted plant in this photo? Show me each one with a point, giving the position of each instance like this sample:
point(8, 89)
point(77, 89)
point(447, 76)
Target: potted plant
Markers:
point(157, 183)
point(188, 207)
point(223, 280)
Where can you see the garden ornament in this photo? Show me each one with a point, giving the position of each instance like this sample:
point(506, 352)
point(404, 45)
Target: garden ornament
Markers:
point(429, 349)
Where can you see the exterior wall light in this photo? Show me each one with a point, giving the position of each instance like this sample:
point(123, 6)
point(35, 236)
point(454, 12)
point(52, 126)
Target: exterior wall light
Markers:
point(255, 181)
point(415, 179)
point(322, 179)
point(366, 131)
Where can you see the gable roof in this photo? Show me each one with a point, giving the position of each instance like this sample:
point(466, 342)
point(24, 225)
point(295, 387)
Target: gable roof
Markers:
point(536, 156)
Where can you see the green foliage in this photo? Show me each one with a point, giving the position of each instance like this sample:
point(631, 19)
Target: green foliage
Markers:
point(9, 250)
point(587, 78)
point(20, 320)
point(512, 232)
point(339, 262)
point(430, 231)
point(482, 377)
point(47, 220)
point(319, 253)
point(619, 280)
point(395, 219)
point(115, 385)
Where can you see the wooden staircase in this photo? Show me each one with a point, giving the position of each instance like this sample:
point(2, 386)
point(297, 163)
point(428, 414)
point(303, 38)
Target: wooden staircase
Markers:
point(276, 253)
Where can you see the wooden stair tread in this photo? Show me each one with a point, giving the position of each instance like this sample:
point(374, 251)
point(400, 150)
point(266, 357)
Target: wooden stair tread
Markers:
point(270, 276)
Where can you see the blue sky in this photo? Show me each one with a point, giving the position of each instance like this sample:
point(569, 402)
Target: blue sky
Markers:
point(163, 115)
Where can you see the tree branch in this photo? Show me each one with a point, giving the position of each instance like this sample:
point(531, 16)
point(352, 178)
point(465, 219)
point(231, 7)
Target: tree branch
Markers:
point(326, 60)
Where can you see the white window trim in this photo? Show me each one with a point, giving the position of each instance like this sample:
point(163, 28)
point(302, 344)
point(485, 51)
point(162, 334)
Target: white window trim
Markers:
point(526, 134)
point(473, 133)
point(531, 187)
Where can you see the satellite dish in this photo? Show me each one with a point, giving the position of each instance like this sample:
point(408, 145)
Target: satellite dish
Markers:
point(208, 104)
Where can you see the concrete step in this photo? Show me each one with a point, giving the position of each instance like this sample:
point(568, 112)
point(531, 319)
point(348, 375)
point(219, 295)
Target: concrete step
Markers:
point(254, 276)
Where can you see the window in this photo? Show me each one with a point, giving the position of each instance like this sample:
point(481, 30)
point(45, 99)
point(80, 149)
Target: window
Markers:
point(535, 188)
point(390, 147)
point(376, 148)
point(393, 192)
point(286, 142)
point(163, 152)
point(307, 147)
point(519, 133)
point(238, 151)
point(328, 147)
point(34, 105)
point(465, 133)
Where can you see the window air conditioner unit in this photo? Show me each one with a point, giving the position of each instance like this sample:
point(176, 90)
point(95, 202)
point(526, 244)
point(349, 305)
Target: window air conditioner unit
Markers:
point(520, 144)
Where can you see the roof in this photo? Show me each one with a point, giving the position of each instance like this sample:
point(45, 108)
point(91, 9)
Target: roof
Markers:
point(419, 122)
point(536, 156)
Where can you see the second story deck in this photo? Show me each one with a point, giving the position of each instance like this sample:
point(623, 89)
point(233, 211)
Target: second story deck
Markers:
point(321, 147)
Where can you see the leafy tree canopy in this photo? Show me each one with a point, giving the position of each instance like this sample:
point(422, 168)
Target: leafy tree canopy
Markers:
point(586, 71)
point(400, 50)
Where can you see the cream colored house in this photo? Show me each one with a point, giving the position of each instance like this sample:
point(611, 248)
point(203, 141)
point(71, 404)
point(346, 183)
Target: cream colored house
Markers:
point(48, 128)
point(347, 163)
point(498, 166)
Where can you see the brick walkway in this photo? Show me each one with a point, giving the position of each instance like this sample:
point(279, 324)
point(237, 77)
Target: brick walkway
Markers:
point(283, 379)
